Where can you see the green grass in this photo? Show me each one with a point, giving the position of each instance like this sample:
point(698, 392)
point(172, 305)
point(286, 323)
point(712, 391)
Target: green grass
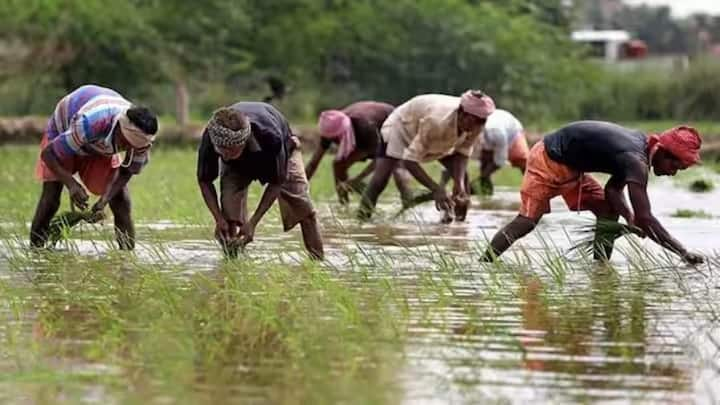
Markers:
point(702, 186)
point(167, 188)
point(686, 213)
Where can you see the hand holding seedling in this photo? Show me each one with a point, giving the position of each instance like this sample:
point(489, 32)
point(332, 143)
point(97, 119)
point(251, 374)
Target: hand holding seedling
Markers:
point(222, 230)
point(442, 200)
point(247, 233)
point(461, 203)
point(78, 195)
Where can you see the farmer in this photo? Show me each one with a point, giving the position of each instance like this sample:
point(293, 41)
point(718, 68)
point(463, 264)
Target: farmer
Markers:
point(88, 129)
point(426, 128)
point(252, 141)
point(558, 166)
point(356, 132)
point(502, 140)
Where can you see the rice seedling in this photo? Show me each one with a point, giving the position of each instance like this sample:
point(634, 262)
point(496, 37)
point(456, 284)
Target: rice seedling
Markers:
point(701, 186)
point(600, 235)
point(688, 213)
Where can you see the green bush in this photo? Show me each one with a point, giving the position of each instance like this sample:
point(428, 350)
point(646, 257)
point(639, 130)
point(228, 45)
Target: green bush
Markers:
point(656, 94)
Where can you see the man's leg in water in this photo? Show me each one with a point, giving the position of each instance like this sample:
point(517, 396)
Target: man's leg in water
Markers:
point(384, 167)
point(402, 180)
point(312, 238)
point(121, 207)
point(296, 207)
point(517, 229)
point(46, 209)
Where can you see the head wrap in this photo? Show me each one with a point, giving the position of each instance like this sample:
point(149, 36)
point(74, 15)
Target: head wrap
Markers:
point(476, 103)
point(336, 125)
point(224, 137)
point(135, 136)
point(682, 142)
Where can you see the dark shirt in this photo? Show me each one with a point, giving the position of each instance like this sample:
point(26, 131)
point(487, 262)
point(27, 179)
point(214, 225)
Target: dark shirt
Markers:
point(367, 118)
point(596, 146)
point(266, 153)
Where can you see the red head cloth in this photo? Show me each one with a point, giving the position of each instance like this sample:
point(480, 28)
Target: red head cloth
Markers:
point(336, 125)
point(683, 142)
point(478, 106)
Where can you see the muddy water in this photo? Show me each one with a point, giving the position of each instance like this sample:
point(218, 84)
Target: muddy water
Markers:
point(527, 332)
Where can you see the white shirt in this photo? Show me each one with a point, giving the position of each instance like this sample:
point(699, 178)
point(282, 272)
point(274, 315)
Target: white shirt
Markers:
point(500, 131)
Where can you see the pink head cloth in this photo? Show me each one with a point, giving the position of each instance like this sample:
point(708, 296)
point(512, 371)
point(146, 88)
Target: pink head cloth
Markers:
point(683, 142)
point(336, 125)
point(478, 106)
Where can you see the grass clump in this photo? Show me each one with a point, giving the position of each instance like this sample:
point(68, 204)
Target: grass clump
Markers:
point(687, 213)
point(701, 186)
point(602, 233)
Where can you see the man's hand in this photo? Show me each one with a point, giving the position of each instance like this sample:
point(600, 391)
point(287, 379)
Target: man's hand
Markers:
point(693, 258)
point(247, 233)
point(222, 230)
point(637, 231)
point(99, 205)
point(343, 190)
point(462, 203)
point(78, 195)
point(442, 200)
point(98, 211)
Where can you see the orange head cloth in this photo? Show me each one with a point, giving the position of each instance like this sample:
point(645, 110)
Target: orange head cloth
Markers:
point(682, 142)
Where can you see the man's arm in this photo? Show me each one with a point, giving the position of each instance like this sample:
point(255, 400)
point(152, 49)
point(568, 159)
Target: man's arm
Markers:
point(340, 169)
point(118, 183)
point(616, 198)
point(271, 193)
point(421, 175)
point(208, 169)
point(652, 227)
point(210, 196)
point(487, 164)
point(364, 173)
point(52, 161)
point(315, 161)
point(459, 166)
point(442, 201)
point(78, 195)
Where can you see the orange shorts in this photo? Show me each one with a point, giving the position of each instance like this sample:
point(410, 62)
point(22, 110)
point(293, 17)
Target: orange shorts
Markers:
point(519, 151)
point(545, 179)
point(96, 172)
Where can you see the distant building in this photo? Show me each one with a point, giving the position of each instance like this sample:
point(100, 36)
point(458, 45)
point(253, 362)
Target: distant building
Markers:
point(609, 45)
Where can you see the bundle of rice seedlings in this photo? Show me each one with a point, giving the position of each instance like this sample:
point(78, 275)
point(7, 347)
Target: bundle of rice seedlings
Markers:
point(60, 225)
point(702, 186)
point(602, 234)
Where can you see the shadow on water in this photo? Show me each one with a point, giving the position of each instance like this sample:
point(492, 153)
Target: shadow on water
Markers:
point(401, 311)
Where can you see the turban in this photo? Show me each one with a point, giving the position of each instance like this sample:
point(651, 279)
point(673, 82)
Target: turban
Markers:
point(336, 125)
point(224, 137)
point(477, 104)
point(135, 136)
point(682, 142)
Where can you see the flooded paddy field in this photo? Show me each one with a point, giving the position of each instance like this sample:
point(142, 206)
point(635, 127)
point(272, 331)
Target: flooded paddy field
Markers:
point(402, 311)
